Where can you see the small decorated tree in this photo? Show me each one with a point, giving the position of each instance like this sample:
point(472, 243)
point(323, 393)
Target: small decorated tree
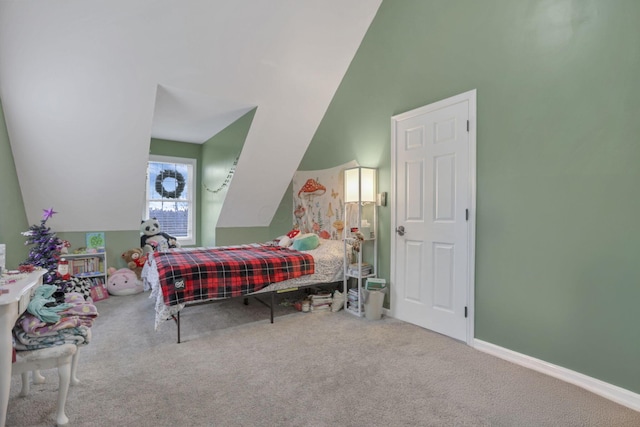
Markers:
point(45, 252)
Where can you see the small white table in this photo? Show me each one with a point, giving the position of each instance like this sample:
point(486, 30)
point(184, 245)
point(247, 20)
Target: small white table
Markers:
point(12, 305)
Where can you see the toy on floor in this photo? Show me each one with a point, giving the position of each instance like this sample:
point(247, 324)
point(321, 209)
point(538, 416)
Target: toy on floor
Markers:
point(154, 240)
point(75, 284)
point(123, 282)
point(135, 260)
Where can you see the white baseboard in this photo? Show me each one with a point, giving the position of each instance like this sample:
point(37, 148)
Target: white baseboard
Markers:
point(608, 391)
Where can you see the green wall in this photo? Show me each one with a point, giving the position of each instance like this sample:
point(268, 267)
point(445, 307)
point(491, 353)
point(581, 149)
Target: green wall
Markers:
point(282, 222)
point(13, 218)
point(215, 159)
point(241, 235)
point(218, 155)
point(558, 154)
point(117, 242)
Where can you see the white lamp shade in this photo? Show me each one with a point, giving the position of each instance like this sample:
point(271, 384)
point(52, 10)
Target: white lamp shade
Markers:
point(359, 185)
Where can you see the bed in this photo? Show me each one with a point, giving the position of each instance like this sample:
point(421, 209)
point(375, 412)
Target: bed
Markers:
point(189, 276)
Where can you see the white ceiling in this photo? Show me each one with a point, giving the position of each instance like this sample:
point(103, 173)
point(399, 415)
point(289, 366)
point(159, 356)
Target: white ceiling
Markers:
point(85, 85)
point(188, 116)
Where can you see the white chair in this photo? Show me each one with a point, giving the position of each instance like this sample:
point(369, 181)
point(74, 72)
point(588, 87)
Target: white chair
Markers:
point(64, 357)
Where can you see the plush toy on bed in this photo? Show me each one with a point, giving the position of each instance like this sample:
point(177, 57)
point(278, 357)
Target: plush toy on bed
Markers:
point(123, 282)
point(299, 241)
point(154, 240)
point(135, 260)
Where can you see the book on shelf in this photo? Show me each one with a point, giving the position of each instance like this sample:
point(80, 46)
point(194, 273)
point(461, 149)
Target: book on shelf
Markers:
point(354, 308)
point(85, 266)
point(97, 281)
point(364, 270)
point(353, 300)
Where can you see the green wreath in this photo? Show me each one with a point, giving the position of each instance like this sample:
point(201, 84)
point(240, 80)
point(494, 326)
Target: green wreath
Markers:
point(166, 194)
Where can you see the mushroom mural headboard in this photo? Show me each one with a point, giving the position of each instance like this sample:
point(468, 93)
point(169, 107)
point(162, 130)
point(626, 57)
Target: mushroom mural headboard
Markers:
point(318, 201)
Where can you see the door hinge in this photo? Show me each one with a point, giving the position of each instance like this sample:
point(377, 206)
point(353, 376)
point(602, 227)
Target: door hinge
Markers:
point(465, 312)
point(468, 125)
point(466, 214)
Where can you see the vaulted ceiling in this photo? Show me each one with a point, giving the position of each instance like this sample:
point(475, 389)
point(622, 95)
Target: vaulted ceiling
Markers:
point(85, 85)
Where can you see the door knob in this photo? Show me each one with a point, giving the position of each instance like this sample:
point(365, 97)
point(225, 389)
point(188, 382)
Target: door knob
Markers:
point(400, 230)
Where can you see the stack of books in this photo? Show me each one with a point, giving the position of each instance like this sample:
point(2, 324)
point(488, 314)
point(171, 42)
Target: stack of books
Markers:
point(364, 270)
point(85, 266)
point(321, 302)
point(353, 300)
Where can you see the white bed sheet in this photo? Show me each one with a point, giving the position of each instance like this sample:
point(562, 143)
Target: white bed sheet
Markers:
point(328, 268)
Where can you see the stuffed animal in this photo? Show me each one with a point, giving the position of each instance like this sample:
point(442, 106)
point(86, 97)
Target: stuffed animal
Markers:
point(75, 284)
point(123, 282)
point(153, 240)
point(135, 260)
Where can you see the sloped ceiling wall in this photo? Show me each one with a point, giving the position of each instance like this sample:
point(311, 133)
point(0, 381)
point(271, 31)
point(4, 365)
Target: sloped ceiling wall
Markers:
point(80, 82)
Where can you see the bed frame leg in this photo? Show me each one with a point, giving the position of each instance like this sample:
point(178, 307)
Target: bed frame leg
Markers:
point(273, 299)
point(178, 323)
point(246, 301)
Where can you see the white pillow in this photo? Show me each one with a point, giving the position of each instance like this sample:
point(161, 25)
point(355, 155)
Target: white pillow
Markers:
point(285, 241)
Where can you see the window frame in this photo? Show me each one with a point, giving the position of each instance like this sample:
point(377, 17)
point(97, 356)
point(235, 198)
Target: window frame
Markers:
point(192, 167)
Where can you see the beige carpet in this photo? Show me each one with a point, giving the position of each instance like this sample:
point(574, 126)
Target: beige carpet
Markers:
point(234, 368)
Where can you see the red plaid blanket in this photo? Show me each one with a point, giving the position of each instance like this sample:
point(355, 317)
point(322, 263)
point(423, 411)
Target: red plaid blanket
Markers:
point(196, 274)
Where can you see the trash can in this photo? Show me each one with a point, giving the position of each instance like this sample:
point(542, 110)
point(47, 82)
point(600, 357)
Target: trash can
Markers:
point(374, 291)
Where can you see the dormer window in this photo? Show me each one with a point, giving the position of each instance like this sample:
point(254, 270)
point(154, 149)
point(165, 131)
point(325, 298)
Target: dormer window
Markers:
point(170, 196)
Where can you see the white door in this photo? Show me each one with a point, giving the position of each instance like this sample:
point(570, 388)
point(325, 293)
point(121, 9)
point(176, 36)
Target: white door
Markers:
point(433, 151)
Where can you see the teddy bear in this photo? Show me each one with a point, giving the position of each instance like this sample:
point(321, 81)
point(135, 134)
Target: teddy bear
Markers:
point(135, 260)
point(154, 240)
point(123, 282)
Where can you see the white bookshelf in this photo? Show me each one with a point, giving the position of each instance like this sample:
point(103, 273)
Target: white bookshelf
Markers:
point(92, 266)
point(361, 219)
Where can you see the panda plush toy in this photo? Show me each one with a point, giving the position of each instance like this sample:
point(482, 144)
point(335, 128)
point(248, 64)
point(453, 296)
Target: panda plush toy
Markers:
point(154, 240)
